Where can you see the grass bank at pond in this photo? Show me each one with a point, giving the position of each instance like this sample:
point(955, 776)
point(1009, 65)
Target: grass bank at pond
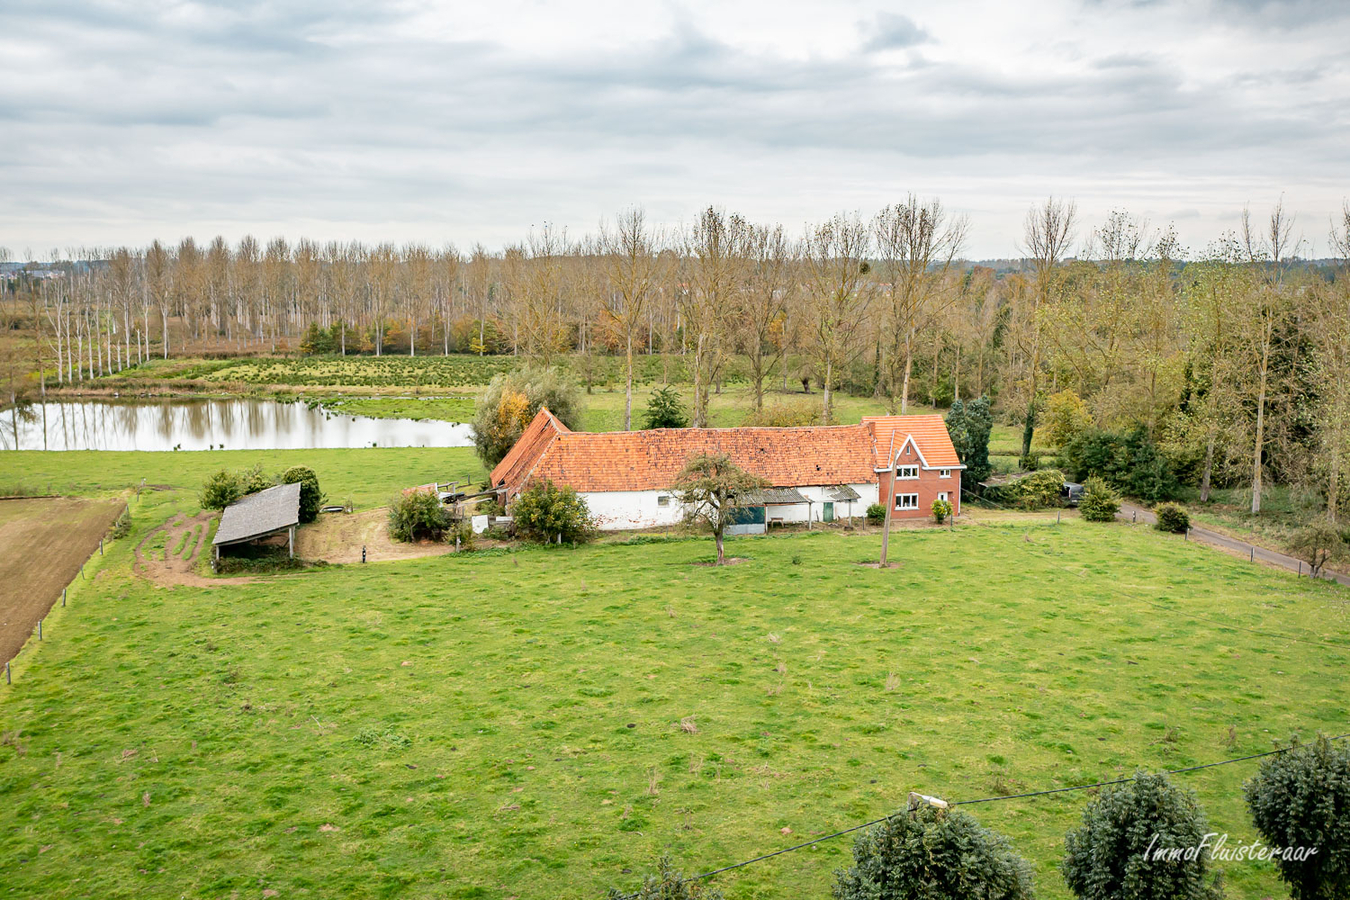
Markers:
point(507, 724)
point(369, 476)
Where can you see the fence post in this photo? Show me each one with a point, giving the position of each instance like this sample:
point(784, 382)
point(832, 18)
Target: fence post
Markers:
point(1134, 516)
point(1187, 535)
point(7, 678)
point(39, 629)
point(100, 546)
point(1252, 556)
point(63, 596)
point(1056, 517)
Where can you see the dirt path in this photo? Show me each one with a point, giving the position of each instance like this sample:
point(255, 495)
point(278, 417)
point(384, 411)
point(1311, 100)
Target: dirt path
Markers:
point(176, 561)
point(339, 537)
point(43, 545)
point(1131, 513)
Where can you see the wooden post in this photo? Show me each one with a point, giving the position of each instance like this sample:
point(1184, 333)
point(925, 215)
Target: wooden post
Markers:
point(290, 542)
point(889, 500)
point(63, 596)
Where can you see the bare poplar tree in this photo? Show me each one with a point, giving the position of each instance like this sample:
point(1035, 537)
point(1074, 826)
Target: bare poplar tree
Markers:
point(839, 296)
point(630, 254)
point(1047, 233)
point(917, 242)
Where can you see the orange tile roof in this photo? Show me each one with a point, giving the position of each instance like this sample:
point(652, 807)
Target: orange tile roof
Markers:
point(651, 460)
point(929, 433)
point(543, 429)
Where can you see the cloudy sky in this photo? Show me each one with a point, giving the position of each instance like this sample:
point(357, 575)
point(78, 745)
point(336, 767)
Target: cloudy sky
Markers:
point(462, 122)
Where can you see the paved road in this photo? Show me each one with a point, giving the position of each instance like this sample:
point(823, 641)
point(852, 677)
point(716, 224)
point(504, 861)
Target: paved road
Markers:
point(1131, 513)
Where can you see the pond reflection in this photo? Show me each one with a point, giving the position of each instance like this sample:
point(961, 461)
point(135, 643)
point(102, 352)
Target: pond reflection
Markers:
point(211, 424)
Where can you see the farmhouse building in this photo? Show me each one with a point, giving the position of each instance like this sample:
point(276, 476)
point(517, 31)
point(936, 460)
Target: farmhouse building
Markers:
point(815, 474)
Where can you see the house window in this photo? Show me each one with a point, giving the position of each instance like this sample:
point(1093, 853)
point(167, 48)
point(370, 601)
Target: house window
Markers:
point(907, 472)
point(662, 500)
point(944, 473)
point(906, 501)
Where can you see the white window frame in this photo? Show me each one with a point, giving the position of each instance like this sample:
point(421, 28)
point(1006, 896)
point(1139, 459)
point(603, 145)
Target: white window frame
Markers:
point(944, 473)
point(901, 503)
point(901, 470)
point(943, 495)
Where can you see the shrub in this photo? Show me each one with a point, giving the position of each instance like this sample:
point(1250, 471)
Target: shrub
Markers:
point(545, 512)
point(220, 490)
point(254, 480)
point(941, 510)
point(1317, 543)
point(1066, 418)
point(783, 415)
point(1172, 518)
point(1100, 503)
point(1029, 462)
point(933, 854)
point(1302, 799)
point(311, 498)
point(668, 884)
point(417, 514)
point(969, 424)
point(876, 514)
point(1039, 490)
point(665, 410)
point(1130, 462)
point(514, 398)
point(1108, 857)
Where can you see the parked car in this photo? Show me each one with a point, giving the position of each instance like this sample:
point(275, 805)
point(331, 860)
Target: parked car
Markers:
point(1071, 493)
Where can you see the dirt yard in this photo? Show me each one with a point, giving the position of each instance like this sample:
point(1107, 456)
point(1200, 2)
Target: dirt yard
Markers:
point(339, 537)
point(43, 543)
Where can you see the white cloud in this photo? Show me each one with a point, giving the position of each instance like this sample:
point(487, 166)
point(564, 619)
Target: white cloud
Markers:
point(453, 122)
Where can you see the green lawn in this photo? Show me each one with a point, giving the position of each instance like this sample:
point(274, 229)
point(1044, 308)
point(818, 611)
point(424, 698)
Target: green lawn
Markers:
point(369, 476)
point(506, 724)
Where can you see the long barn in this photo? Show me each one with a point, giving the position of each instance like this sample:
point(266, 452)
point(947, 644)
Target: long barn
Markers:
point(817, 472)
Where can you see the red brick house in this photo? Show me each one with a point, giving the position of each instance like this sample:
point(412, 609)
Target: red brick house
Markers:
point(817, 474)
point(923, 465)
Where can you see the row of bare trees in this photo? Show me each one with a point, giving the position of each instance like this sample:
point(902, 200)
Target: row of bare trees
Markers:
point(1237, 355)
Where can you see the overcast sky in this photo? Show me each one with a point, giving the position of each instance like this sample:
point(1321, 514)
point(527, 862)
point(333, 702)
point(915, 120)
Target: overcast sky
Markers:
point(462, 122)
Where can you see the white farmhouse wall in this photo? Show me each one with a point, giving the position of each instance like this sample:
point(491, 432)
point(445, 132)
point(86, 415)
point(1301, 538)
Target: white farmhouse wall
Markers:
point(623, 510)
point(630, 510)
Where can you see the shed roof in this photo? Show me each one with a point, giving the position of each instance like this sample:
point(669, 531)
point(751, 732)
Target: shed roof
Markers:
point(259, 514)
point(771, 497)
point(843, 493)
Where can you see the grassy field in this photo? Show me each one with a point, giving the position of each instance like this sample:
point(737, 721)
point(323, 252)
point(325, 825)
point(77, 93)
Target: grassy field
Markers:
point(508, 724)
point(368, 476)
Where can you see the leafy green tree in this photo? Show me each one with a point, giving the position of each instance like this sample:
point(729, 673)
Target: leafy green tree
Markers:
point(311, 498)
point(1100, 502)
point(1301, 799)
point(417, 514)
point(933, 854)
point(220, 490)
point(1067, 416)
point(1114, 854)
point(711, 487)
point(665, 410)
point(668, 884)
point(969, 424)
point(545, 512)
point(512, 399)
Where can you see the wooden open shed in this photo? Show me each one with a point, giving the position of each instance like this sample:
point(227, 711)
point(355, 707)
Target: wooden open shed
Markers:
point(261, 515)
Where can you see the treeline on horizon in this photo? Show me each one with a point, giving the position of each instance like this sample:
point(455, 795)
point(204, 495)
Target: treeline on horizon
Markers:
point(1234, 361)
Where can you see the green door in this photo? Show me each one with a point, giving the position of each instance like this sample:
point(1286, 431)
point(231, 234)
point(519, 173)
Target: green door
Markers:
point(827, 512)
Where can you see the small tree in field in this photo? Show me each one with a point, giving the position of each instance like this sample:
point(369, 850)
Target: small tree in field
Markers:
point(1301, 799)
point(710, 487)
point(220, 490)
point(545, 512)
point(941, 510)
point(667, 884)
point(1317, 543)
point(417, 514)
point(311, 498)
point(512, 399)
point(665, 410)
point(1121, 852)
point(933, 854)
